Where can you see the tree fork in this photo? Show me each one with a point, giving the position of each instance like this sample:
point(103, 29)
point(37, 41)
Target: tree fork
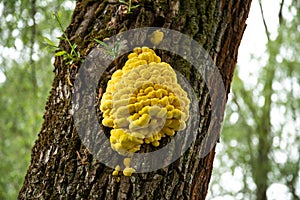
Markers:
point(61, 167)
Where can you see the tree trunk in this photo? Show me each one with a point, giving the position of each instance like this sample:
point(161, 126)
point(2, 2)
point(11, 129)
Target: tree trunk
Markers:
point(61, 165)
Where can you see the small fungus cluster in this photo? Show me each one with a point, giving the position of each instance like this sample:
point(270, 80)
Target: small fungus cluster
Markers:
point(143, 103)
point(156, 37)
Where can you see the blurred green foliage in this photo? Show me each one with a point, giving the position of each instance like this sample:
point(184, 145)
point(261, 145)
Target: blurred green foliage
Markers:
point(260, 141)
point(26, 66)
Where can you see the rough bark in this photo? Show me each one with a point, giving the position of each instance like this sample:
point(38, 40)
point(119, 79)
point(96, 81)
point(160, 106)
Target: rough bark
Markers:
point(56, 169)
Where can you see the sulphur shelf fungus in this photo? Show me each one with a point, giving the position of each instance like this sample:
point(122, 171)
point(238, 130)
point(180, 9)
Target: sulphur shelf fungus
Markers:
point(143, 103)
point(156, 37)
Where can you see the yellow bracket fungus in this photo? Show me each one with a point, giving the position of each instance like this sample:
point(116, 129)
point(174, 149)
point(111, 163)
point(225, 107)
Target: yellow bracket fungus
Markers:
point(156, 37)
point(143, 103)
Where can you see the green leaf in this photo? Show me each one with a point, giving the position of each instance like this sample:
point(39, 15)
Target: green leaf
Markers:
point(74, 46)
point(59, 14)
point(53, 14)
point(110, 53)
point(49, 42)
point(116, 47)
point(61, 38)
point(133, 7)
point(60, 53)
point(102, 43)
point(124, 2)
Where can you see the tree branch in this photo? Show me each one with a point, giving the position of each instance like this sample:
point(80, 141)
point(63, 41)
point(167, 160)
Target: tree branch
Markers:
point(280, 12)
point(32, 41)
point(264, 20)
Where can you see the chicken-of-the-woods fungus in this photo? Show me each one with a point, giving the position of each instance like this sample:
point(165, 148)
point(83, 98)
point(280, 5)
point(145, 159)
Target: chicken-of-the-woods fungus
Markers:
point(143, 102)
point(156, 37)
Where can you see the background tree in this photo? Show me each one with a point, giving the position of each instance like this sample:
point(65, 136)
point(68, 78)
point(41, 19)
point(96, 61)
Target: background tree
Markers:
point(261, 136)
point(26, 75)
